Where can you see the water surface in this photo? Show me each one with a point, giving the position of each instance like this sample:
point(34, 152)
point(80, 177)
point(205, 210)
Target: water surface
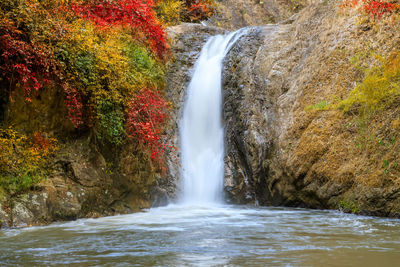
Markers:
point(209, 236)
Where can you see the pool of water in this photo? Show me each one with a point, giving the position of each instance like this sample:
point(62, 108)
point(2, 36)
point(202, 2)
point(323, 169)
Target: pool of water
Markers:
point(208, 236)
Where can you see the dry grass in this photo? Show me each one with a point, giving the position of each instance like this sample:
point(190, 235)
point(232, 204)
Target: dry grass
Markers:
point(353, 147)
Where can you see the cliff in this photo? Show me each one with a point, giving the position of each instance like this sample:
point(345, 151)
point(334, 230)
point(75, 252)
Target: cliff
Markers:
point(288, 141)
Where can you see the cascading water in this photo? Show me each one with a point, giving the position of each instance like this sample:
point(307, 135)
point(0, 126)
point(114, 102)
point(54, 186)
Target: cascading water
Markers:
point(201, 130)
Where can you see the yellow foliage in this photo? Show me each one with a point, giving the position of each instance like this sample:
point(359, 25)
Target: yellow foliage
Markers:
point(21, 159)
point(169, 11)
point(378, 88)
point(109, 63)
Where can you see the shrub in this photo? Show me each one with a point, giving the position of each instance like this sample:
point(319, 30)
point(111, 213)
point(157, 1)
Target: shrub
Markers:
point(23, 61)
point(170, 11)
point(378, 88)
point(146, 115)
point(198, 10)
point(100, 56)
point(22, 159)
point(376, 9)
point(137, 14)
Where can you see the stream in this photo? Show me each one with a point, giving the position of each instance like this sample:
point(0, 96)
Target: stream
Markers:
point(218, 235)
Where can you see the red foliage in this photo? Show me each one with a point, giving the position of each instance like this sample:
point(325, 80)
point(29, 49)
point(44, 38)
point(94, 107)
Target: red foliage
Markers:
point(42, 143)
point(23, 61)
point(349, 4)
point(33, 67)
point(147, 113)
point(135, 13)
point(73, 102)
point(199, 11)
point(376, 9)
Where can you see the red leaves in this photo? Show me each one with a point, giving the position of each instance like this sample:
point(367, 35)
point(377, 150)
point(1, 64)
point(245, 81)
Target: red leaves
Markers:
point(147, 113)
point(199, 11)
point(23, 61)
point(42, 143)
point(376, 9)
point(134, 13)
point(33, 67)
point(74, 105)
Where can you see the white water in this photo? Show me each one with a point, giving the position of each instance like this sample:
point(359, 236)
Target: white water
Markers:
point(201, 130)
point(217, 235)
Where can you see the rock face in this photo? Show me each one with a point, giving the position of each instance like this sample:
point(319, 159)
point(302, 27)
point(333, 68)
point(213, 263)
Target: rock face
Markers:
point(277, 152)
point(235, 14)
point(84, 182)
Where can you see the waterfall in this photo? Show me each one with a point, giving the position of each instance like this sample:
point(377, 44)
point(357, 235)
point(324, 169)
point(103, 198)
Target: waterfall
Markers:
point(201, 129)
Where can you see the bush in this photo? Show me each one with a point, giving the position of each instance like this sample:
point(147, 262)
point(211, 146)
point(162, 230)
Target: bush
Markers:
point(172, 12)
point(146, 115)
point(376, 9)
point(378, 88)
point(22, 159)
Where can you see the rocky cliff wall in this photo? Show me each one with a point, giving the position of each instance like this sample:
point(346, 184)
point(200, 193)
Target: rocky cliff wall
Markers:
point(235, 14)
point(280, 153)
point(85, 180)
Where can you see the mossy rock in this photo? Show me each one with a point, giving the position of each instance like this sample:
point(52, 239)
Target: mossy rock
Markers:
point(349, 206)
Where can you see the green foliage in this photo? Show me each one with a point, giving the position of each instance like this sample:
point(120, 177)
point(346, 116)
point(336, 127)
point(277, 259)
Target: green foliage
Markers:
point(323, 105)
point(349, 206)
point(22, 181)
point(360, 60)
point(110, 118)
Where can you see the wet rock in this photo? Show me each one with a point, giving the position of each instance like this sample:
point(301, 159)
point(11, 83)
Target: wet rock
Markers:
point(159, 197)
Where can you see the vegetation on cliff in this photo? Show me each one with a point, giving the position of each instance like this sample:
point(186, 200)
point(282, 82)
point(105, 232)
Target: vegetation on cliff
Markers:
point(22, 160)
point(105, 59)
point(358, 130)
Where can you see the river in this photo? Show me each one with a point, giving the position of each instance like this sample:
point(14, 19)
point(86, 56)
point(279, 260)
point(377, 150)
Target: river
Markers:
point(217, 235)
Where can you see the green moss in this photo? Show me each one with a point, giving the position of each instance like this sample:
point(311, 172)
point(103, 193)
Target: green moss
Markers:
point(348, 206)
